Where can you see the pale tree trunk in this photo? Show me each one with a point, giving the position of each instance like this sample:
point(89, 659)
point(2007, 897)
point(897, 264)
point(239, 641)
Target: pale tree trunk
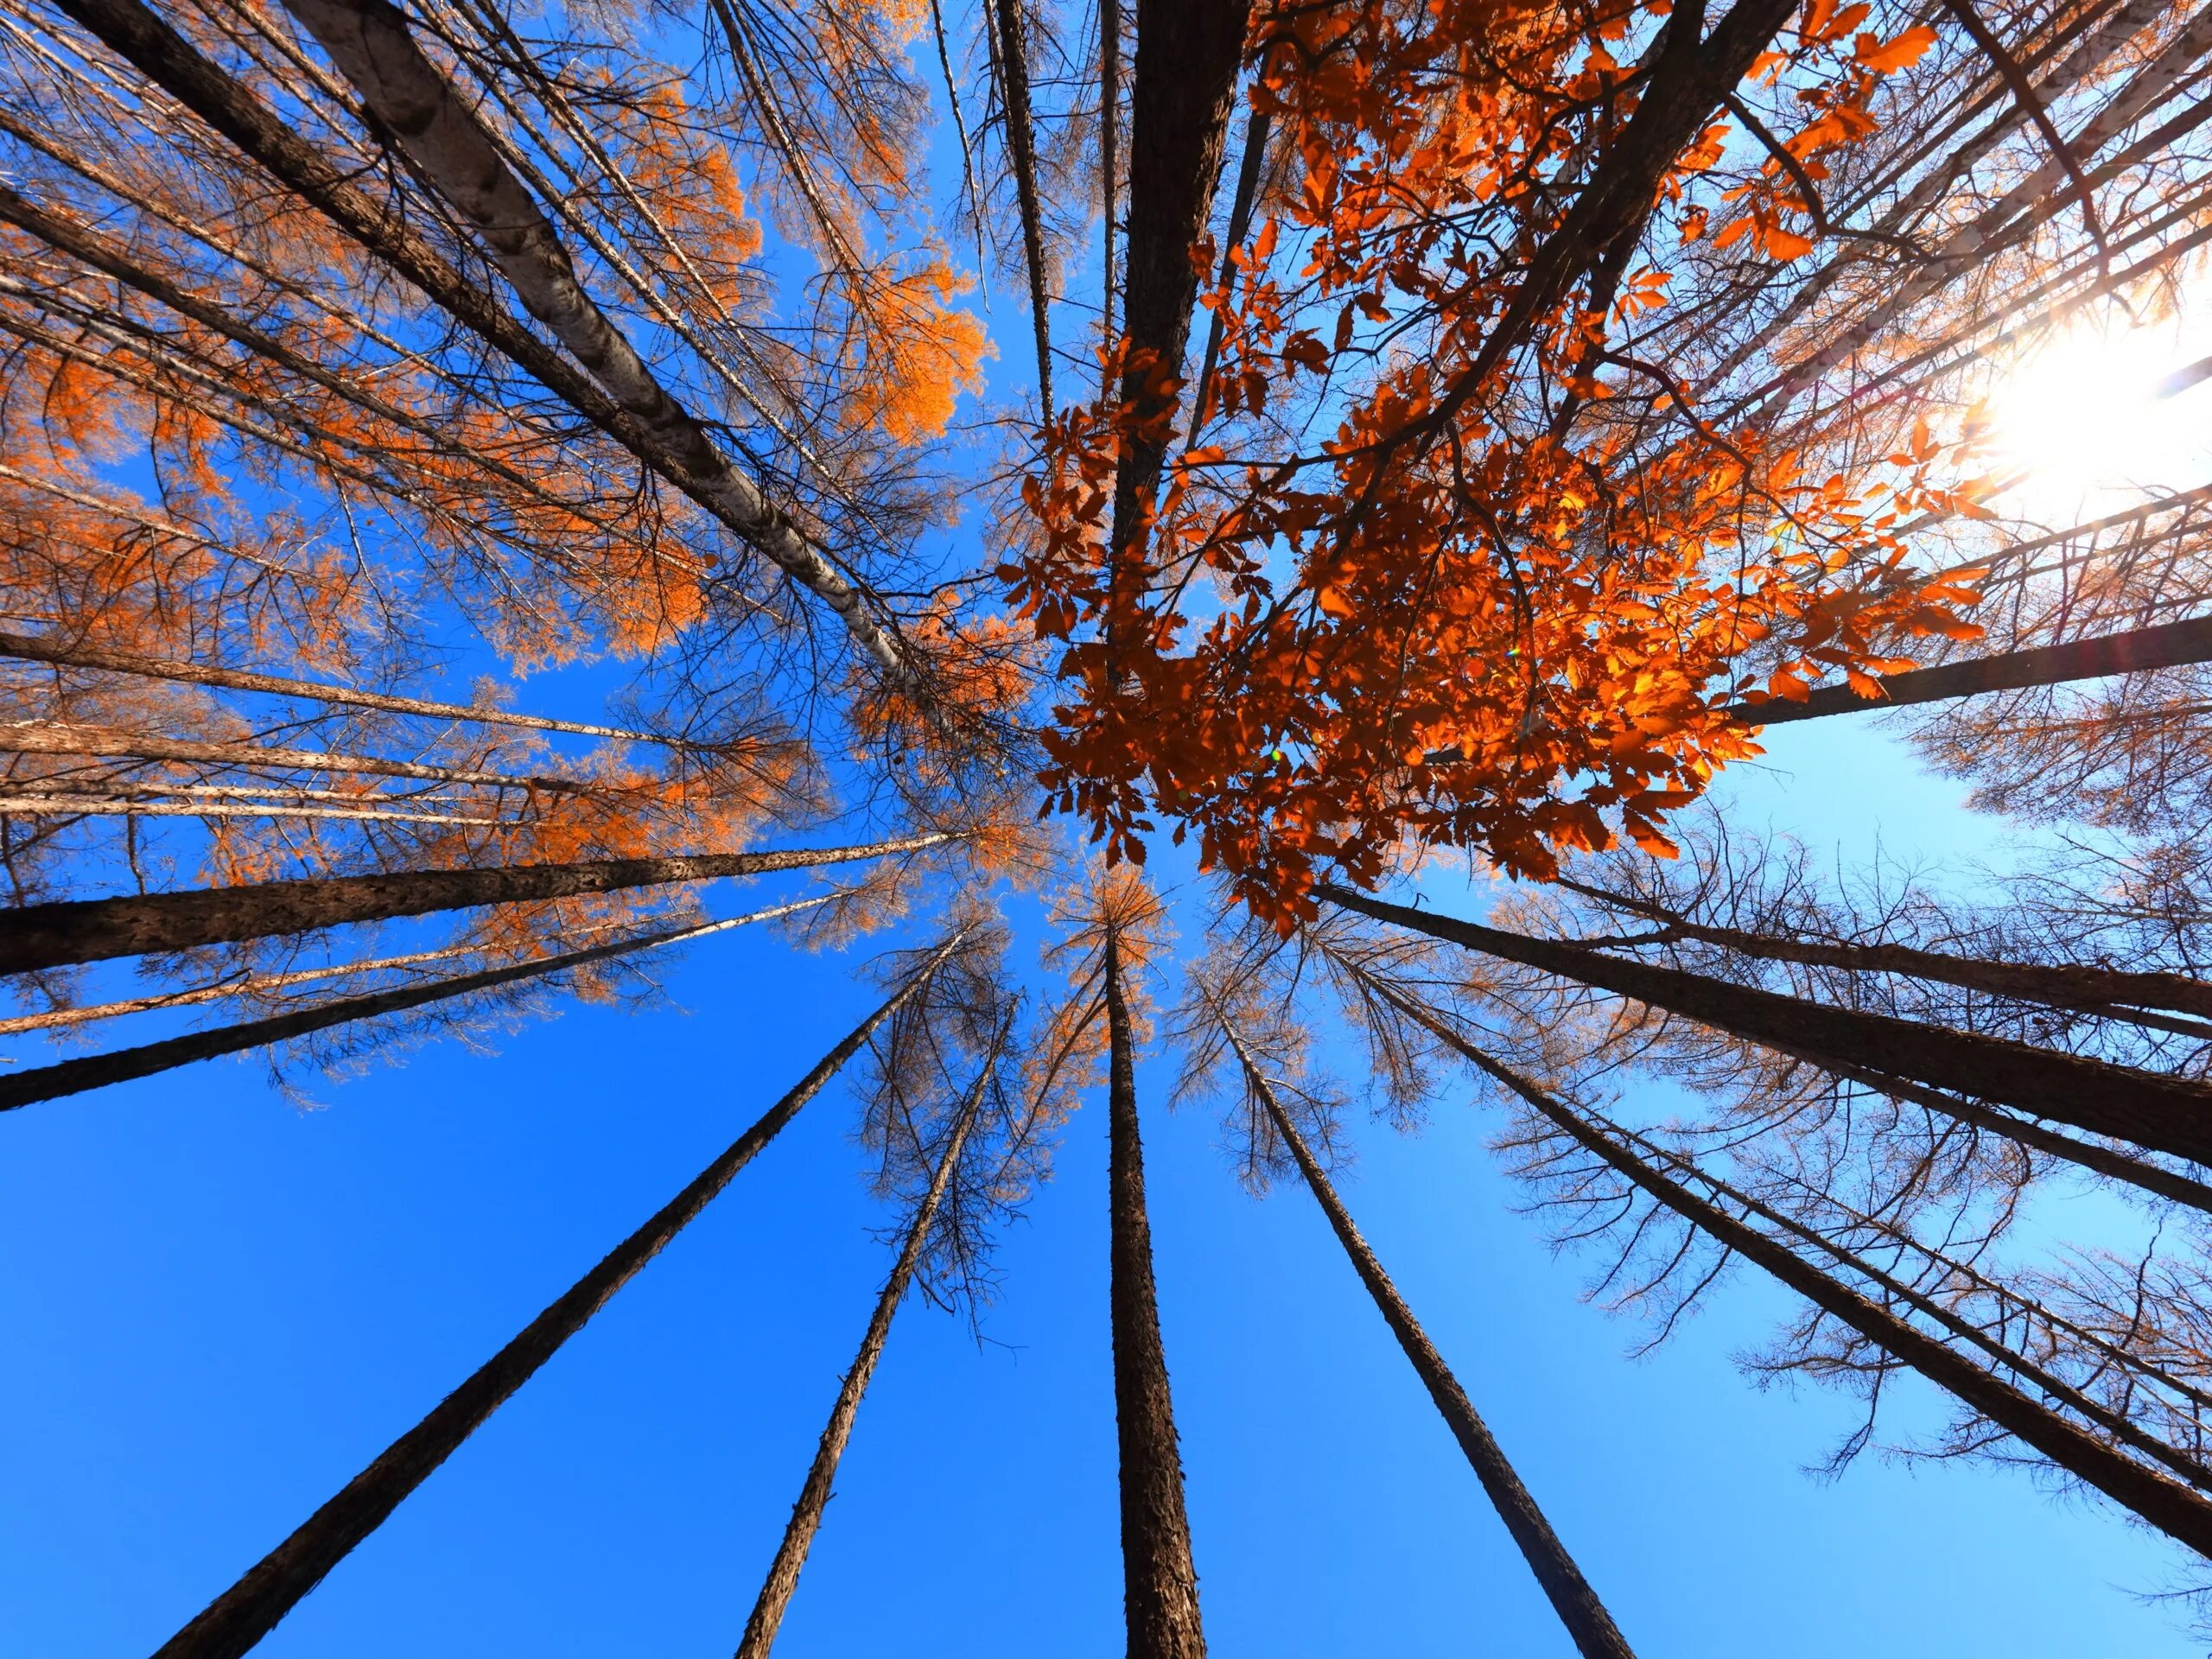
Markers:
point(523, 247)
point(813, 1496)
point(1159, 1583)
point(2166, 1503)
point(410, 97)
point(2165, 1113)
point(45, 649)
point(1596, 1635)
point(2169, 644)
point(81, 806)
point(74, 1077)
point(250, 1609)
point(1020, 148)
point(43, 737)
point(93, 930)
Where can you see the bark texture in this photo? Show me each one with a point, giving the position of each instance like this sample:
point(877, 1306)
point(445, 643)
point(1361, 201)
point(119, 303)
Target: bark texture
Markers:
point(250, 1609)
point(1159, 1583)
point(93, 930)
point(2166, 1503)
point(1021, 151)
point(2065, 986)
point(43, 738)
point(1183, 79)
point(74, 1077)
point(1596, 1635)
point(411, 98)
point(813, 1496)
point(2169, 644)
point(37, 649)
point(2166, 1114)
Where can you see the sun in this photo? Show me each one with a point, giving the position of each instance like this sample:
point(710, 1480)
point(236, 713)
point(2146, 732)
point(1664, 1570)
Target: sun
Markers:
point(2103, 416)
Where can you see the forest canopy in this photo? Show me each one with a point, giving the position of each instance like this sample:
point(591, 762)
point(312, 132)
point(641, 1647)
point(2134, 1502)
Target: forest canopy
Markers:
point(1249, 532)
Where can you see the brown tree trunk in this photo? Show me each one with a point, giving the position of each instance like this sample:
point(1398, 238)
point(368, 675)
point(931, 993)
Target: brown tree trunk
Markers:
point(2169, 644)
point(92, 930)
point(1159, 1583)
point(1188, 53)
point(1021, 151)
point(813, 1496)
point(98, 1071)
point(2065, 986)
point(1109, 156)
point(1240, 227)
point(2166, 1114)
point(250, 1609)
point(2166, 1503)
point(1596, 1635)
point(45, 649)
point(42, 737)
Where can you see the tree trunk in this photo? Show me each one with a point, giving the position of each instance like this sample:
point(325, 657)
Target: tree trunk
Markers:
point(43, 737)
point(1020, 148)
point(92, 930)
point(44, 649)
point(522, 244)
point(1110, 157)
point(813, 1496)
point(1159, 1583)
point(1188, 53)
point(1596, 1635)
point(2169, 644)
point(98, 1071)
point(1256, 126)
point(411, 97)
point(2167, 1504)
point(250, 1609)
point(2167, 1114)
point(2065, 986)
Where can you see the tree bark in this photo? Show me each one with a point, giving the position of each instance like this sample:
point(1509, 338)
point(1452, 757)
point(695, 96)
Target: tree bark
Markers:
point(1021, 151)
point(1184, 78)
point(98, 1071)
point(93, 930)
point(2167, 1114)
point(42, 737)
point(1159, 1583)
point(1596, 1635)
point(1256, 126)
point(813, 1496)
point(638, 415)
point(1109, 156)
point(2168, 644)
point(2167, 1504)
point(2065, 986)
point(250, 1609)
point(38, 649)
point(410, 97)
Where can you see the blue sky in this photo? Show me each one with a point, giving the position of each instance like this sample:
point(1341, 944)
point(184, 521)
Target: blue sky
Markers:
point(218, 1307)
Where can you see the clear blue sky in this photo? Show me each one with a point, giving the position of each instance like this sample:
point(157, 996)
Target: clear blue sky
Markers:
point(217, 1307)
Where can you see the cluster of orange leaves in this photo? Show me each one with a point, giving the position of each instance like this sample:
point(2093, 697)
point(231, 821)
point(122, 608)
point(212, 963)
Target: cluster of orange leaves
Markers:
point(1461, 624)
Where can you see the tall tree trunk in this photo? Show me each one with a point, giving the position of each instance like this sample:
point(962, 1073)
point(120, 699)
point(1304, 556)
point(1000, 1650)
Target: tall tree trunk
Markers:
point(2166, 1114)
point(250, 1609)
point(2166, 1503)
point(618, 395)
point(1596, 1635)
point(39, 648)
point(97, 1071)
point(1021, 151)
point(92, 930)
point(2169, 644)
point(1256, 126)
point(813, 1496)
point(46, 737)
point(442, 134)
point(1188, 52)
point(1110, 157)
point(1159, 1583)
point(2065, 986)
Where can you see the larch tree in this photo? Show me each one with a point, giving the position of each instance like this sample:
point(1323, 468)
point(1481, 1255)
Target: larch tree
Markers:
point(1435, 429)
